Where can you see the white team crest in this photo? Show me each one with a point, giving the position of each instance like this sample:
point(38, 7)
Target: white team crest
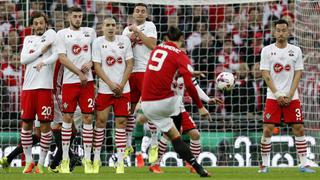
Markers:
point(268, 115)
point(22, 111)
point(65, 105)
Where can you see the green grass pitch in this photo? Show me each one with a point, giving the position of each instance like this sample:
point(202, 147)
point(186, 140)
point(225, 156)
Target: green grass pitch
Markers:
point(218, 173)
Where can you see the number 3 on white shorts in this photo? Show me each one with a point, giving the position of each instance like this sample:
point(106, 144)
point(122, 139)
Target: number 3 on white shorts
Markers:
point(155, 57)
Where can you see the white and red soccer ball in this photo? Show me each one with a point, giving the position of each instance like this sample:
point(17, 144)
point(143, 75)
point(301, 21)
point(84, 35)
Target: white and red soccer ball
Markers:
point(225, 81)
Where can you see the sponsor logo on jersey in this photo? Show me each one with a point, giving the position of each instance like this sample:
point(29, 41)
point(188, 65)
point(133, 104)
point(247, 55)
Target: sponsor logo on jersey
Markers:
point(135, 40)
point(31, 51)
point(287, 67)
point(85, 48)
point(277, 67)
point(119, 60)
point(110, 60)
point(76, 49)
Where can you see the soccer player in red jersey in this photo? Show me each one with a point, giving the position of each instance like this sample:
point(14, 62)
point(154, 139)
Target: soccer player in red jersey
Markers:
point(159, 102)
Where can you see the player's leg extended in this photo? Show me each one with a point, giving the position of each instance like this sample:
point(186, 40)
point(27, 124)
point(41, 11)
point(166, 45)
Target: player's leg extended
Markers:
point(26, 141)
point(153, 150)
point(301, 146)
point(265, 147)
point(184, 152)
point(98, 137)
point(195, 146)
point(163, 144)
point(45, 141)
point(120, 141)
point(87, 136)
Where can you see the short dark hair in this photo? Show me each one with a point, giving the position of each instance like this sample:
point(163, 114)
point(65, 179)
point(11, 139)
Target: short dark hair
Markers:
point(74, 9)
point(38, 14)
point(140, 4)
point(281, 21)
point(174, 33)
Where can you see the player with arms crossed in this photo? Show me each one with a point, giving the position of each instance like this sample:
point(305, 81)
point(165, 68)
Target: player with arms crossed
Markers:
point(36, 99)
point(160, 103)
point(74, 49)
point(282, 65)
point(113, 62)
point(143, 36)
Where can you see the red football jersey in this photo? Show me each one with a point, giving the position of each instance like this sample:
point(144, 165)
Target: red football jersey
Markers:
point(166, 63)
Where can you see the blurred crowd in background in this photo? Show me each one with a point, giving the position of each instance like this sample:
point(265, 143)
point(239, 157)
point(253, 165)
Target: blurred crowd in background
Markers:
point(217, 38)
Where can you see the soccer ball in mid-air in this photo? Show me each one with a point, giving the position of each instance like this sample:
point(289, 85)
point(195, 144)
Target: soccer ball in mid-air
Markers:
point(225, 81)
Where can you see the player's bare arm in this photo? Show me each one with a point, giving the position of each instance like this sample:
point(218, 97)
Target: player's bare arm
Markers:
point(126, 74)
point(101, 74)
point(203, 96)
point(150, 42)
point(193, 93)
point(267, 78)
point(199, 73)
point(68, 64)
point(215, 101)
point(86, 67)
point(295, 83)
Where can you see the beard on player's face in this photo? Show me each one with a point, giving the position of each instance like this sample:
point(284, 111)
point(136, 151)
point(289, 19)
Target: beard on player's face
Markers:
point(76, 24)
point(39, 30)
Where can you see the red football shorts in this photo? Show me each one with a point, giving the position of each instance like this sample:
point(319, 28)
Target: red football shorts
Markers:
point(291, 114)
point(37, 102)
point(74, 94)
point(121, 105)
point(135, 81)
point(187, 123)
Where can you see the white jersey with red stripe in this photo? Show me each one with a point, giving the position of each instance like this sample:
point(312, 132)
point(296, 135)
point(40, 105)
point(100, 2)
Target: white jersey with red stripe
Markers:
point(31, 55)
point(141, 52)
point(112, 56)
point(77, 47)
point(281, 62)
